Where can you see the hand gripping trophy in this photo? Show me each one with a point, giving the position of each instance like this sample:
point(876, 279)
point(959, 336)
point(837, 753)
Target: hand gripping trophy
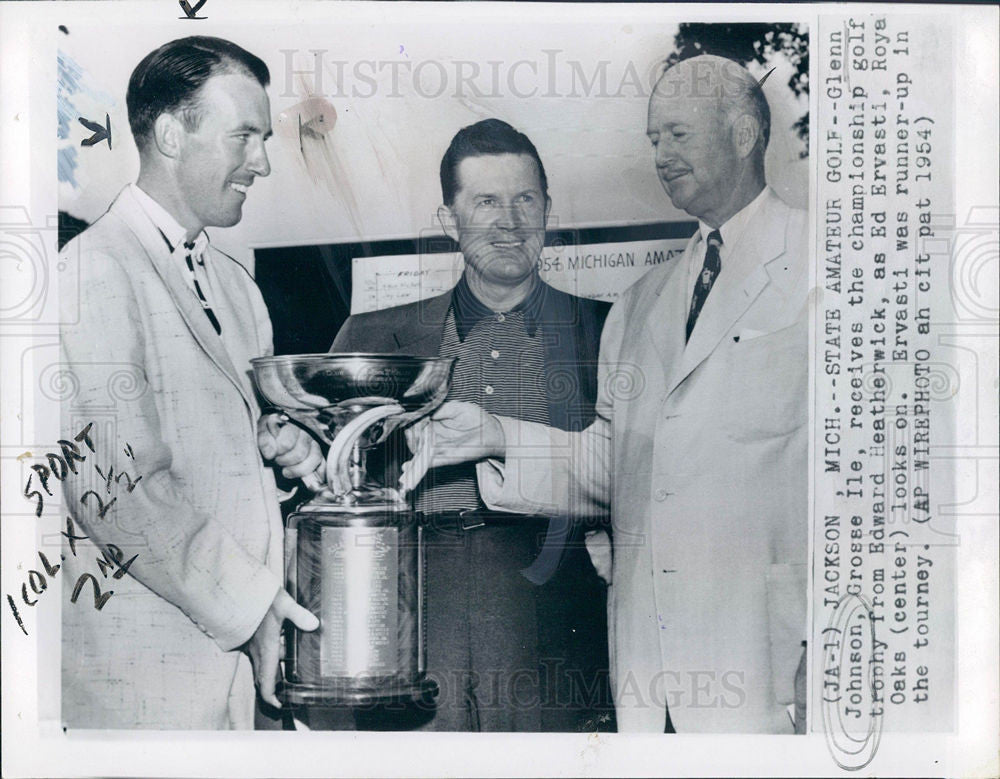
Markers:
point(353, 552)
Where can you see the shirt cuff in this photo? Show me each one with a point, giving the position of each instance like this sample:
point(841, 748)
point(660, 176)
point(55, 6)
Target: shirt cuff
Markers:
point(523, 481)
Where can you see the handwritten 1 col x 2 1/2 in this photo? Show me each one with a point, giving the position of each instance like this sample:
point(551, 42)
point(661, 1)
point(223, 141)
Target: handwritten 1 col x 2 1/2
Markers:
point(61, 466)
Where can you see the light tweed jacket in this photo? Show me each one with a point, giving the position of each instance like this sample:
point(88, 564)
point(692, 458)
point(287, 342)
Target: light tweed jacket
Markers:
point(147, 367)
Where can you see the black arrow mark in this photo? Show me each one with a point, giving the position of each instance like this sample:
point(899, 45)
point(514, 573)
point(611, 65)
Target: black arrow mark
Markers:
point(100, 133)
point(191, 13)
point(764, 78)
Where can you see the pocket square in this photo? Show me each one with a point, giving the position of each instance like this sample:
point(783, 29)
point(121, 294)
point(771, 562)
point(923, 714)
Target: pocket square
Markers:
point(748, 335)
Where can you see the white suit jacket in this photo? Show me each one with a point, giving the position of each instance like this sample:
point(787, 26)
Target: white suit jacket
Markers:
point(143, 362)
point(700, 450)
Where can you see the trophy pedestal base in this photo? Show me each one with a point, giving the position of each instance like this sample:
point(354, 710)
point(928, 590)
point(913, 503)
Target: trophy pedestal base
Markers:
point(332, 695)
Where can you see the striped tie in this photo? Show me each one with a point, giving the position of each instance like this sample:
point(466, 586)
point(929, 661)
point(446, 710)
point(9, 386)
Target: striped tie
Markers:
point(709, 272)
point(195, 254)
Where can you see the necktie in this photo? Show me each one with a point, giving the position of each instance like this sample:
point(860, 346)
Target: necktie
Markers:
point(709, 272)
point(194, 255)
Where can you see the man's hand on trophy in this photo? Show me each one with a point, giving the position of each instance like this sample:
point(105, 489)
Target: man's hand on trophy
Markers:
point(457, 432)
point(264, 646)
point(289, 446)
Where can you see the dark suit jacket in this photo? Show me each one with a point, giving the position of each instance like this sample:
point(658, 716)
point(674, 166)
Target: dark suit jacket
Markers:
point(569, 599)
point(571, 326)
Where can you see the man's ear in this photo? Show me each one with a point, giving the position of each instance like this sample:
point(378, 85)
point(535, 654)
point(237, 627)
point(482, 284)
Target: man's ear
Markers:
point(448, 221)
point(745, 134)
point(168, 132)
point(548, 207)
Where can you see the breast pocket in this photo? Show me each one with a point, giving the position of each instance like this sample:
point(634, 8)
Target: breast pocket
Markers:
point(768, 383)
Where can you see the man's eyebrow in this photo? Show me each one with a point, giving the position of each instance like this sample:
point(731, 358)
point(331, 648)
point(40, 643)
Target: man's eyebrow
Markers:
point(528, 191)
point(250, 127)
point(669, 125)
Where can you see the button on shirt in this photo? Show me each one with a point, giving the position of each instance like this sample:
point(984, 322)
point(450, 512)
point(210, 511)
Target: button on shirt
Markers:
point(500, 367)
point(732, 231)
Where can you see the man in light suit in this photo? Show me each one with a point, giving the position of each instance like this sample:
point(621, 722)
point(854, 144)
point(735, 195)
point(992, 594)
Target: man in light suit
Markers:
point(700, 443)
point(159, 358)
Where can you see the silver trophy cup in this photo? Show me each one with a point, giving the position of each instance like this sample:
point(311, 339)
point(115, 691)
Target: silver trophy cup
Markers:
point(353, 552)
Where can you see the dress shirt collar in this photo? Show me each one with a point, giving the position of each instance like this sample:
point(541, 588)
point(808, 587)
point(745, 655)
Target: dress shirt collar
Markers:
point(172, 232)
point(469, 310)
point(734, 227)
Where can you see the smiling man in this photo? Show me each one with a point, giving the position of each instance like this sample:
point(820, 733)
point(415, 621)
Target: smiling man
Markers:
point(159, 358)
point(516, 633)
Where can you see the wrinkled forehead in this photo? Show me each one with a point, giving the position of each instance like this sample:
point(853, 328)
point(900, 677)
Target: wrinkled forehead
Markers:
point(666, 110)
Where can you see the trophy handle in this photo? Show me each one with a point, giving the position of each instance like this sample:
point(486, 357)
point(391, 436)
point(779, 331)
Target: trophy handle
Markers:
point(339, 472)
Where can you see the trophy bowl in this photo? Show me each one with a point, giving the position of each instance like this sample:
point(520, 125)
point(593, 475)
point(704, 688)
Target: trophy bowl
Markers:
point(354, 552)
point(333, 388)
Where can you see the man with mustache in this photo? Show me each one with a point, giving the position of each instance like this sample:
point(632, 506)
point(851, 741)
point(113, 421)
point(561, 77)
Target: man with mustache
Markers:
point(159, 357)
point(517, 632)
point(699, 447)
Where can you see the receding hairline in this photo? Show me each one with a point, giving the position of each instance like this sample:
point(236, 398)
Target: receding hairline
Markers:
point(191, 109)
point(731, 87)
point(726, 78)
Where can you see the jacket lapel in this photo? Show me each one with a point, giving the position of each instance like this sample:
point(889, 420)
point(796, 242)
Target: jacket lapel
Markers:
point(243, 337)
point(130, 212)
point(667, 314)
point(740, 283)
point(422, 338)
point(561, 324)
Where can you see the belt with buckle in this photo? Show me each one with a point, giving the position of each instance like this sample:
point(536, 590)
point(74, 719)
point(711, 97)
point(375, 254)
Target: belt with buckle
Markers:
point(473, 519)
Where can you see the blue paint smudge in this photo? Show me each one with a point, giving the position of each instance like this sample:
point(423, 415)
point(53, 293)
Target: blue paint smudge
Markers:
point(72, 81)
point(66, 164)
point(69, 79)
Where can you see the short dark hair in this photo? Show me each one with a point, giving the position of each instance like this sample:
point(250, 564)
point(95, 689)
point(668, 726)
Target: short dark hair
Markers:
point(490, 136)
point(169, 78)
